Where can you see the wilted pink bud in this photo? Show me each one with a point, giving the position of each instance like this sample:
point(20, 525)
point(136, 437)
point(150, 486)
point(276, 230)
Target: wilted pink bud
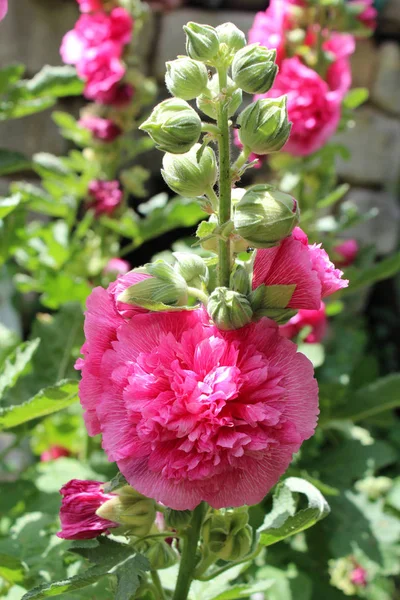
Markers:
point(101, 129)
point(78, 517)
point(117, 265)
point(359, 577)
point(316, 319)
point(105, 196)
point(53, 453)
point(347, 252)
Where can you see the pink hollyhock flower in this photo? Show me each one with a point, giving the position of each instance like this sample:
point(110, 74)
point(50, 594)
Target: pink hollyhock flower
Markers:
point(101, 129)
point(86, 6)
point(369, 14)
point(102, 72)
point(192, 413)
point(359, 577)
point(347, 252)
point(53, 453)
point(3, 8)
point(78, 516)
point(341, 46)
point(117, 265)
point(118, 95)
point(313, 109)
point(295, 261)
point(105, 196)
point(316, 319)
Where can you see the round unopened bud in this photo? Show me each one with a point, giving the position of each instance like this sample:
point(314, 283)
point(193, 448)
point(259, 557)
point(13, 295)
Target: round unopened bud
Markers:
point(192, 173)
point(264, 216)
point(202, 41)
point(229, 309)
point(130, 509)
point(254, 69)
point(186, 78)
point(174, 126)
point(264, 125)
point(208, 101)
point(192, 268)
point(159, 553)
point(177, 519)
point(231, 36)
point(227, 533)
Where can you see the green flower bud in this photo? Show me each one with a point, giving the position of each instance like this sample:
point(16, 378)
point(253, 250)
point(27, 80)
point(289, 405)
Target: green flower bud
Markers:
point(254, 69)
point(192, 268)
point(240, 280)
point(264, 126)
point(186, 78)
point(229, 309)
point(132, 510)
point(160, 554)
point(202, 42)
point(231, 36)
point(174, 126)
point(207, 102)
point(163, 290)
point(264, 216)
point(190, 174)
point(227, 534)
point(177, 519)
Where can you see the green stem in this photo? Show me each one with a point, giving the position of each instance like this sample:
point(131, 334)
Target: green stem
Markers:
point(158, 585)
point(234, 563)
point(202, 296)
point(224, 213)
point(241, 159)
point(189, 554)
point(210, 128)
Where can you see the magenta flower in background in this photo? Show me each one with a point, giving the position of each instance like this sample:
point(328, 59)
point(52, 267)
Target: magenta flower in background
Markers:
point(3, 8)
point(295, 261)
point(340, 46)
point(104, 196)
point(101, 129)
point(53, 453)
point(87, 6)
point(316, 319)
point(78, 516)
point(359, 577)
point(187, 411)
point(117, 266)
point(347, 252)
point(369, 14)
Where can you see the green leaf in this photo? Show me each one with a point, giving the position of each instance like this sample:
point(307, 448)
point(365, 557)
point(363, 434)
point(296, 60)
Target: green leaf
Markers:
point(39, 200)
point(356, 97)
point(376, 397)
point(16, 363)
point(284, 521)
point(12, 162)
point(245, 590)
point(334, 196)
point(115, 483)
point(12, 569)
point(56, 82)
point(383, 270)
point(23, 107)
point(46, 402)
point(70, 129)
point(49, 165)
point(314, 352)
point(9, 75)
point(178, 212)
point(8, 205)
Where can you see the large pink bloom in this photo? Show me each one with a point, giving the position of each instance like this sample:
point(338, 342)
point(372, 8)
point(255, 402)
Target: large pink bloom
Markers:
point(312, 107)
point(295, 261)
point(78, 516)
point(3, 8)
point(192, 413)
point(316, 319)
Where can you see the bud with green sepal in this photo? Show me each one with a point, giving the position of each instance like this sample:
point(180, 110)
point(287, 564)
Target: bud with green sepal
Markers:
point(177, 519)
point(231, 40)
point(192, 268)
point(208, 101)
point(191, 174)
point(272, 301)
point(254, 69)
point(174, 126)
point(229, 309)
point(160, 554)
point(202, 42)
point(164, 290)
point(264, 125)
point(264, 216)
point(186, 78)
point(131, 510)
point(227, 533)
point(240, 280)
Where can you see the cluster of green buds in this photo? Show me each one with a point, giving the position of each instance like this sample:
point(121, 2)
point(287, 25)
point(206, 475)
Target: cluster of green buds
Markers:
point(218, 69)
point(227, 533)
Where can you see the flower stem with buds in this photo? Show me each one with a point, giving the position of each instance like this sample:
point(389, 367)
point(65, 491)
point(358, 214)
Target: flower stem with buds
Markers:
point(224, 212)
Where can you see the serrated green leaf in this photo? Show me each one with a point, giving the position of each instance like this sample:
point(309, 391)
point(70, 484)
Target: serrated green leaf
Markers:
point(376, 397)
point(16, 363)
point(12, 569)
point(55, 82)
point(39, 200)
point(46, 402)
point(9, 75)
point(284, 521)
point(12, 162)
point(23, 107)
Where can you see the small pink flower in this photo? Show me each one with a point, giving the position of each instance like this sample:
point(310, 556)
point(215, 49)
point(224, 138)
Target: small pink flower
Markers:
point(294, 261)
point(189, 412)
point(340, 46)
point(118, 266)
point(78, 516)
point(369, 14)
point(87, 6)
point(3, 8)
point(316, 319)
point(53, 453)
point(101, 129)
point(347, 252)
point(359, 577)
point(118, 95)
point(105, 196)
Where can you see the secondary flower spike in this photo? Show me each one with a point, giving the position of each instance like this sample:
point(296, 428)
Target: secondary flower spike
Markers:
point(189, 412)
point(297, 262)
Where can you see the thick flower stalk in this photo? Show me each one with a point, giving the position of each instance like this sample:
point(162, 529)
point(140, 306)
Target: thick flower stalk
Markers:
point(198, 397)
